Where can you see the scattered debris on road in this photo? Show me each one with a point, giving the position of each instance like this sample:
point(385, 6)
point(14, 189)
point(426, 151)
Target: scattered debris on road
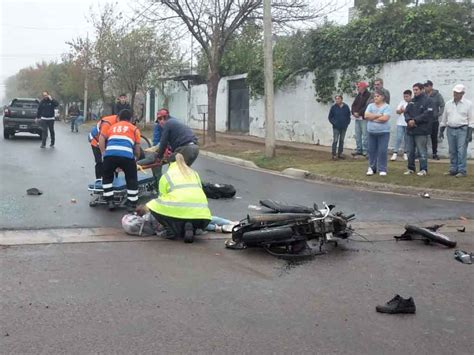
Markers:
point(34, 191)
point(461, 230)
point(464, 257)
point(73, 200)
point(425, 195)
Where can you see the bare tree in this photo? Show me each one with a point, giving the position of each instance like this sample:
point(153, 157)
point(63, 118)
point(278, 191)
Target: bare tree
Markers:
point(93, 55)
point(136, 55)
point(213, 22)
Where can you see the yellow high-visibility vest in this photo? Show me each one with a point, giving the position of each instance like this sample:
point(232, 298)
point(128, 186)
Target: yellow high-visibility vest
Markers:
point(180, 197)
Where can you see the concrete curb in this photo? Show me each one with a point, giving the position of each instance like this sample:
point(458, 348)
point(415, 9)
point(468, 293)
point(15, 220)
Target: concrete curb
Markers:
point(358, 185)
point(236, 161)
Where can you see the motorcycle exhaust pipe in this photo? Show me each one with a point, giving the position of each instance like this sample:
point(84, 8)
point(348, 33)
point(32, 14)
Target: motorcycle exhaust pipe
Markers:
point(267, 235)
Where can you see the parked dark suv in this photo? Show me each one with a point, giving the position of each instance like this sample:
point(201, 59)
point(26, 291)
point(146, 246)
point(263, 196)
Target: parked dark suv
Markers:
point(20, 116)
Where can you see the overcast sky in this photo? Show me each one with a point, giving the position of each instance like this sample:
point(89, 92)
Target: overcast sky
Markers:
point(36, 30)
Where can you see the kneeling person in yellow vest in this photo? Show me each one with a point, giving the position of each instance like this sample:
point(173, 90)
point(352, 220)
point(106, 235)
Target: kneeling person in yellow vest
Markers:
point(181, 206)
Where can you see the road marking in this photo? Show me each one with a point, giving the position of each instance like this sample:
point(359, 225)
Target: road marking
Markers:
point(80, 235)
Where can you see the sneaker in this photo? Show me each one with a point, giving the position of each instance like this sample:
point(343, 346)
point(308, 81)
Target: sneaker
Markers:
point(383, 173)
point(355, 153)
point(421, 173)
point(334, 157)
point(42, 146)
point(459, 175)
point(435, 157)
point(394, 157)
point(370, 172)
point(111, 205)
point(405, 156)
point(398, 305)
point(408, 172)
point(188, 232)
point(342, 157)
point(52, 145)
point(450, 173)
point(131, 207)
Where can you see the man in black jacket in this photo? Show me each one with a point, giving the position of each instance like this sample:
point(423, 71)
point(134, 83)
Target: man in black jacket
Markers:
point(438, 107)
point(45, 114)
point(122, 104)
point(360, 125)
point(419, 115)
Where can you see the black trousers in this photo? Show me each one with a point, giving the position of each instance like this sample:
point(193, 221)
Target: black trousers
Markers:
point(45, 126)
point(99, 164)
point(129, 167)
point(434, 137)
point(176, 225)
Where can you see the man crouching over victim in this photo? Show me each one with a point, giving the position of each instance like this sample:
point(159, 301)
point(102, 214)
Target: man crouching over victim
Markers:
point(181, 206)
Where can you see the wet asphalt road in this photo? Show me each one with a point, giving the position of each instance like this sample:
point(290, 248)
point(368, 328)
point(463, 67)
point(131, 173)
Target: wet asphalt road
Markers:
point(64, 172)
point(160, 296)
point(165, 297)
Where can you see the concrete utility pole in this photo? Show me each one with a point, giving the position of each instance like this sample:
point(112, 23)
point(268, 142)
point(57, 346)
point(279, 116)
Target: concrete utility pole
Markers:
point(86, 80)
point(268, 60)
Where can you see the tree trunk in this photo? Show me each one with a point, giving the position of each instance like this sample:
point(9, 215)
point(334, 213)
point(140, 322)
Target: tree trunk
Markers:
point(212, 84)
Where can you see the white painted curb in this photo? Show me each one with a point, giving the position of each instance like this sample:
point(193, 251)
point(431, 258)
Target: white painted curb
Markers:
point(232, 160)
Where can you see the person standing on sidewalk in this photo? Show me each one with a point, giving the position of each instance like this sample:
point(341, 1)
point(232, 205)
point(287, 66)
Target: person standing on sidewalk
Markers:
point(378, 128)
point(378, 86)
point(45, 114)
point(419, 118)
point(458, 117)
point(340, 118)
point(401, 127)
point(438, 106)
point(360, 125)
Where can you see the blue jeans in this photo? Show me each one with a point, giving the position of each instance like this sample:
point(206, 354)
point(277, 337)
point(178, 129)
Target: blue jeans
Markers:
point(401, 135)
point(457, 142)
point(361, 136)
point(420, 144)
point(216, 221)
point(378, 148)
point(74, 126)
point(338, 136)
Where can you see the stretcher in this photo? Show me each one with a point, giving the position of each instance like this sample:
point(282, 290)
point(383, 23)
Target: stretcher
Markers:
point(146, 187)
point(146, 184)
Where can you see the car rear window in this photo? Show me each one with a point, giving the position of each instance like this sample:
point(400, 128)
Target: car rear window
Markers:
point(25, 104)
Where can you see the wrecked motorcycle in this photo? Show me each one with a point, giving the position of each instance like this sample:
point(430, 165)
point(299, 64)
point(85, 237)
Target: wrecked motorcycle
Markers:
point(291, 231)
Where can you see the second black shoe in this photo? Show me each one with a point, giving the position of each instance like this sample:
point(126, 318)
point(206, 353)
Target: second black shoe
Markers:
point(188, 232)
point(397, 305)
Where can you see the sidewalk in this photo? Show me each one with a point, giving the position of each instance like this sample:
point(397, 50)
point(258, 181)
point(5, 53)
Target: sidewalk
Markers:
point(314, 162)
point(296, 145)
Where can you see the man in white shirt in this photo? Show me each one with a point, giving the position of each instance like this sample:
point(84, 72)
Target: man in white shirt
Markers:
point(458, 117)
point(401, 127)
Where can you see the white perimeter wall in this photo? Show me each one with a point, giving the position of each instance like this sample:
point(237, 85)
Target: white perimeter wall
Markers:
point(300, 118)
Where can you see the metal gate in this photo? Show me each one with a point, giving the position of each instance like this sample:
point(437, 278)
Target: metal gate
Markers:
point(238, 106)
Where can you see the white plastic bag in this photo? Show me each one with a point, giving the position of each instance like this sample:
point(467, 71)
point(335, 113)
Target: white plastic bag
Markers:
point(140, 225)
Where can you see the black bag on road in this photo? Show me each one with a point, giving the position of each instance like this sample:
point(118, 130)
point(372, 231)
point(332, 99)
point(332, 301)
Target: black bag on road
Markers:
point(217, 191)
